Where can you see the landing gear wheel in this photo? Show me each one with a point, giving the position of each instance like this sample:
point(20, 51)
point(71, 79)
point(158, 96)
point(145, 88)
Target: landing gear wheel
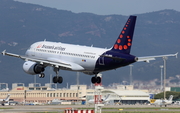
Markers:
point(93, 80)
point(98, 80)
point(42, 75)
point(60, 79)
point(55, 79)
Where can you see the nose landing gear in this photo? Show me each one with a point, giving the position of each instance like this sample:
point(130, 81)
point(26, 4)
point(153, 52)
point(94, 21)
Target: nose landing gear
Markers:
point(42, 75)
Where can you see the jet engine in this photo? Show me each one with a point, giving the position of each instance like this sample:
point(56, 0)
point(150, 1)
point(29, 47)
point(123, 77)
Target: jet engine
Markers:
point(33, 68)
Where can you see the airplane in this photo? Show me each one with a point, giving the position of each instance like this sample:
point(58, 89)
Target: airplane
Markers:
point(162, 102)
point(103, 100)
point(3, 101)
point(89, 60)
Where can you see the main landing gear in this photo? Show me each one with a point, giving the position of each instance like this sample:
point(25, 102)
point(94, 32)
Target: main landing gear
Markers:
point(57, 78)
point(96, 79)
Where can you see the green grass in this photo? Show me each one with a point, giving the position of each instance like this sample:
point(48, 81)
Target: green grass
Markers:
point(46, 112)
point(7, 108)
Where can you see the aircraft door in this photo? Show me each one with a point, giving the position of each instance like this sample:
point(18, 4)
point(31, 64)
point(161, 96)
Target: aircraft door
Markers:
point(101, 60)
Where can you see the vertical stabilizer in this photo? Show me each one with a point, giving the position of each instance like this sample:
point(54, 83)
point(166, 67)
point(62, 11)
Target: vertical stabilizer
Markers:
point(124, 42)
point(107, 97)
point(7, 98)
point(170, 97)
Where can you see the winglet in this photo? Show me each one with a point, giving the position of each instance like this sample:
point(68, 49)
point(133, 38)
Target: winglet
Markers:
point(4, 52)
point(176, 55)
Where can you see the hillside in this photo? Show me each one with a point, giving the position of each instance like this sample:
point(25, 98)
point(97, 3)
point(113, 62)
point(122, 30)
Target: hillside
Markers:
point(23, 24)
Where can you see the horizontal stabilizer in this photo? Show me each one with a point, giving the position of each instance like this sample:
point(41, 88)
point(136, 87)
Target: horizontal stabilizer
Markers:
point(149, 58)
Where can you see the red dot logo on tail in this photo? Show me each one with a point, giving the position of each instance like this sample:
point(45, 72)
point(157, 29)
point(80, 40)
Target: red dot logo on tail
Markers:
point(121, 36)
point(116, 46)
point(118, 40)
point(120, 47)
point(129, 44)
point(125, 47)
point(124, 41)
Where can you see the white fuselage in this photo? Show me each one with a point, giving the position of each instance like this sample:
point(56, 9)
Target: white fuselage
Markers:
point(61, 52)
point(2, 101)
point(162, 102)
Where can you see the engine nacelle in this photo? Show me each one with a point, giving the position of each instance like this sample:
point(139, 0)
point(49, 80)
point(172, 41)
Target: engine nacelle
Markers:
point(33, 68)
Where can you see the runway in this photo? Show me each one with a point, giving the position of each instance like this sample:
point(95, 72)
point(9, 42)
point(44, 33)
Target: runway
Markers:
point(61, 108)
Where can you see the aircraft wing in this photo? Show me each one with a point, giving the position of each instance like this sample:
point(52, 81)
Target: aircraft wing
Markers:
point(148, 58)
point(48, 62)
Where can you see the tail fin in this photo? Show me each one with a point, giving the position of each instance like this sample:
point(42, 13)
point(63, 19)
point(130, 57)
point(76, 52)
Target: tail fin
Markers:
point(107, 96)
point(7, 98)
point(170, 97)
point(124, 41)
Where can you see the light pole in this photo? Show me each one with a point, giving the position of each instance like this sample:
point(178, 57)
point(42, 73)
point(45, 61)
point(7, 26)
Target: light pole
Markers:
point(130, 74)
point(50, 81)
point(77, 79)
point(34, 80)
point(165, 58)
point(161, 66)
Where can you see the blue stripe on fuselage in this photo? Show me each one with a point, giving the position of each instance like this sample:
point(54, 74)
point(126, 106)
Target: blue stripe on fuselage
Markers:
point(117, 60)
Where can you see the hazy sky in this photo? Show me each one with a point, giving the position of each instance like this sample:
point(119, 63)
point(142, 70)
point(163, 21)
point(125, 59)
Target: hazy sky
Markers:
point(106, 7)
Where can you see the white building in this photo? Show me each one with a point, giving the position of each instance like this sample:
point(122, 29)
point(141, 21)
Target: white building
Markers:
point(127, 96)
point(43, 94)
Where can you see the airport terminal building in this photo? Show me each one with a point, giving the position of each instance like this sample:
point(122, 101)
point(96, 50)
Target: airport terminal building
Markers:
point(74, 94)
point(128, 96)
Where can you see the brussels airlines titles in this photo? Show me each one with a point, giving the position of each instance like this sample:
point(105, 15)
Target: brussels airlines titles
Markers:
point(51, 47)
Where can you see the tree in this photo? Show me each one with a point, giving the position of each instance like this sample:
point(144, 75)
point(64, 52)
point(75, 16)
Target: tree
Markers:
point(176, 95)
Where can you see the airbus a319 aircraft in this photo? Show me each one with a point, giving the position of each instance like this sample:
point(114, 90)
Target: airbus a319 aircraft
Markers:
point(103, 100)
point(3, 101)
point(89, 60)
point(162, 102)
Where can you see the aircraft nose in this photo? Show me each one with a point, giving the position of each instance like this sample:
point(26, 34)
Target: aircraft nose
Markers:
point(27, 53)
